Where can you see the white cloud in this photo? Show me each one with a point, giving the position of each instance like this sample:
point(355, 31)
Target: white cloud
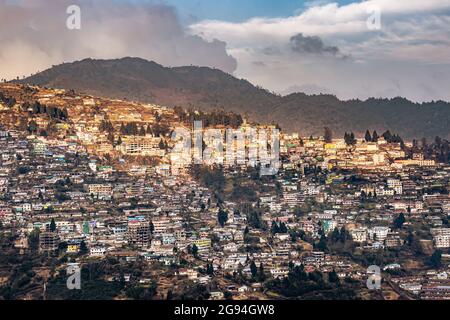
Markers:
point(318, 20)
point(409, 56)
point(412, 45)
point(33, 36)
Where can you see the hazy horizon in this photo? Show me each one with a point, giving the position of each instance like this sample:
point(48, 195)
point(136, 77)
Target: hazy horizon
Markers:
point(292, 90)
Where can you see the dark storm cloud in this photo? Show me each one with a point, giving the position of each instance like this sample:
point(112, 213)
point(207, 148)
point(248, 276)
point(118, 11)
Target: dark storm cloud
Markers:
point(311, 45)
point(34, 35)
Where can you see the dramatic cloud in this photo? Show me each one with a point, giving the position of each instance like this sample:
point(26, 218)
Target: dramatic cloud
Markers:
point(408, 56)
point(314, 45)
point(33, 35)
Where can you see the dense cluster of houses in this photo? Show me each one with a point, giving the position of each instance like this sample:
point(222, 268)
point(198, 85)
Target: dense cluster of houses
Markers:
point(82, 202)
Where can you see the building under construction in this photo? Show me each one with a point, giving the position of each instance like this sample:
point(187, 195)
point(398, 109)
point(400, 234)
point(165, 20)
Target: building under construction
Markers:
point(138, 233)
point(48, 241)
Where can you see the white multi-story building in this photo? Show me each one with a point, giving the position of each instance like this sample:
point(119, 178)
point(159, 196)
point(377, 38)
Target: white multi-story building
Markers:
point(97, 251)
point(291, 199)
point(441, 237)
point(99, 189)
point(378, 233)
point(395, 185)
point(359, 235)
point(141, 146)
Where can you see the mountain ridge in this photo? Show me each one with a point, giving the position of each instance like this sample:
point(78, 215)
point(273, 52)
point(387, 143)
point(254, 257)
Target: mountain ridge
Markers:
point(206, 89)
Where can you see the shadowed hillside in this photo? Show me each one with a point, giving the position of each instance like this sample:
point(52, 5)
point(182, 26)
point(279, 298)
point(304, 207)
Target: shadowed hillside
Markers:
point(206, 89)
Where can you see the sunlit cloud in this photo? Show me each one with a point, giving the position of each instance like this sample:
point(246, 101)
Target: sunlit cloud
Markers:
point(411, 46)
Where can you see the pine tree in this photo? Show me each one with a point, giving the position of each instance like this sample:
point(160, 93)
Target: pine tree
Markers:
point(222, 217)
point(333, 277)
point(111, 137)
point(83, 248)
point(335, 235)
point(33, 240)
point(53, 225)
point(399, 221)
point(387, 136)
point(322, 245)
point(274, 228)
point(161, 144)
point(209, 269)
point(152, 227)
point(368, 137)
point(375, 136)
point(253, 269)
point(262, 275)
point(352, 139)
point(33, 126)
point(436, 259)
point(195, 251)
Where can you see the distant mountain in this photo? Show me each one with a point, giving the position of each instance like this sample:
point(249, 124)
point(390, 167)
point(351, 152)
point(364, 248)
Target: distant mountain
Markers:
point(206, 89)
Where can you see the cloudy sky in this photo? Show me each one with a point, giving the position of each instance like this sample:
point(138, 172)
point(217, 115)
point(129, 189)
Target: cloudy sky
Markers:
point(316, 46)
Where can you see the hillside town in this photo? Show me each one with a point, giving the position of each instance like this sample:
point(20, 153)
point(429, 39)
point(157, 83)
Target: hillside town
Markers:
point(92, 183)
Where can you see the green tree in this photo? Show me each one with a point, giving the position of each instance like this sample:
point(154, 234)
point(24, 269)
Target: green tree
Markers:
point(274, 228)
point(209, 269)
point(152, 227)
point(322, 245)
point(222, 217)
point(62, 247)
point(262, 275)
point(195, 251)
point(32, 126)
point(399, 221)
point(142, 293)
point(253, 269)
point(368, 137)
point(33, 240)
point(228, 295)
point(162, 144)
point(350, 138)
point(53, 225)
point(335, 235)
point(194, 292)
point(375, 136)
point(83, 248)
point(436, 259)
point(387, 135)
point(333, 277)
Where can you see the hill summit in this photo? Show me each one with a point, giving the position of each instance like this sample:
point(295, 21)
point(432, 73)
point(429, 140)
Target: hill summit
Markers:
point(208, 89)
